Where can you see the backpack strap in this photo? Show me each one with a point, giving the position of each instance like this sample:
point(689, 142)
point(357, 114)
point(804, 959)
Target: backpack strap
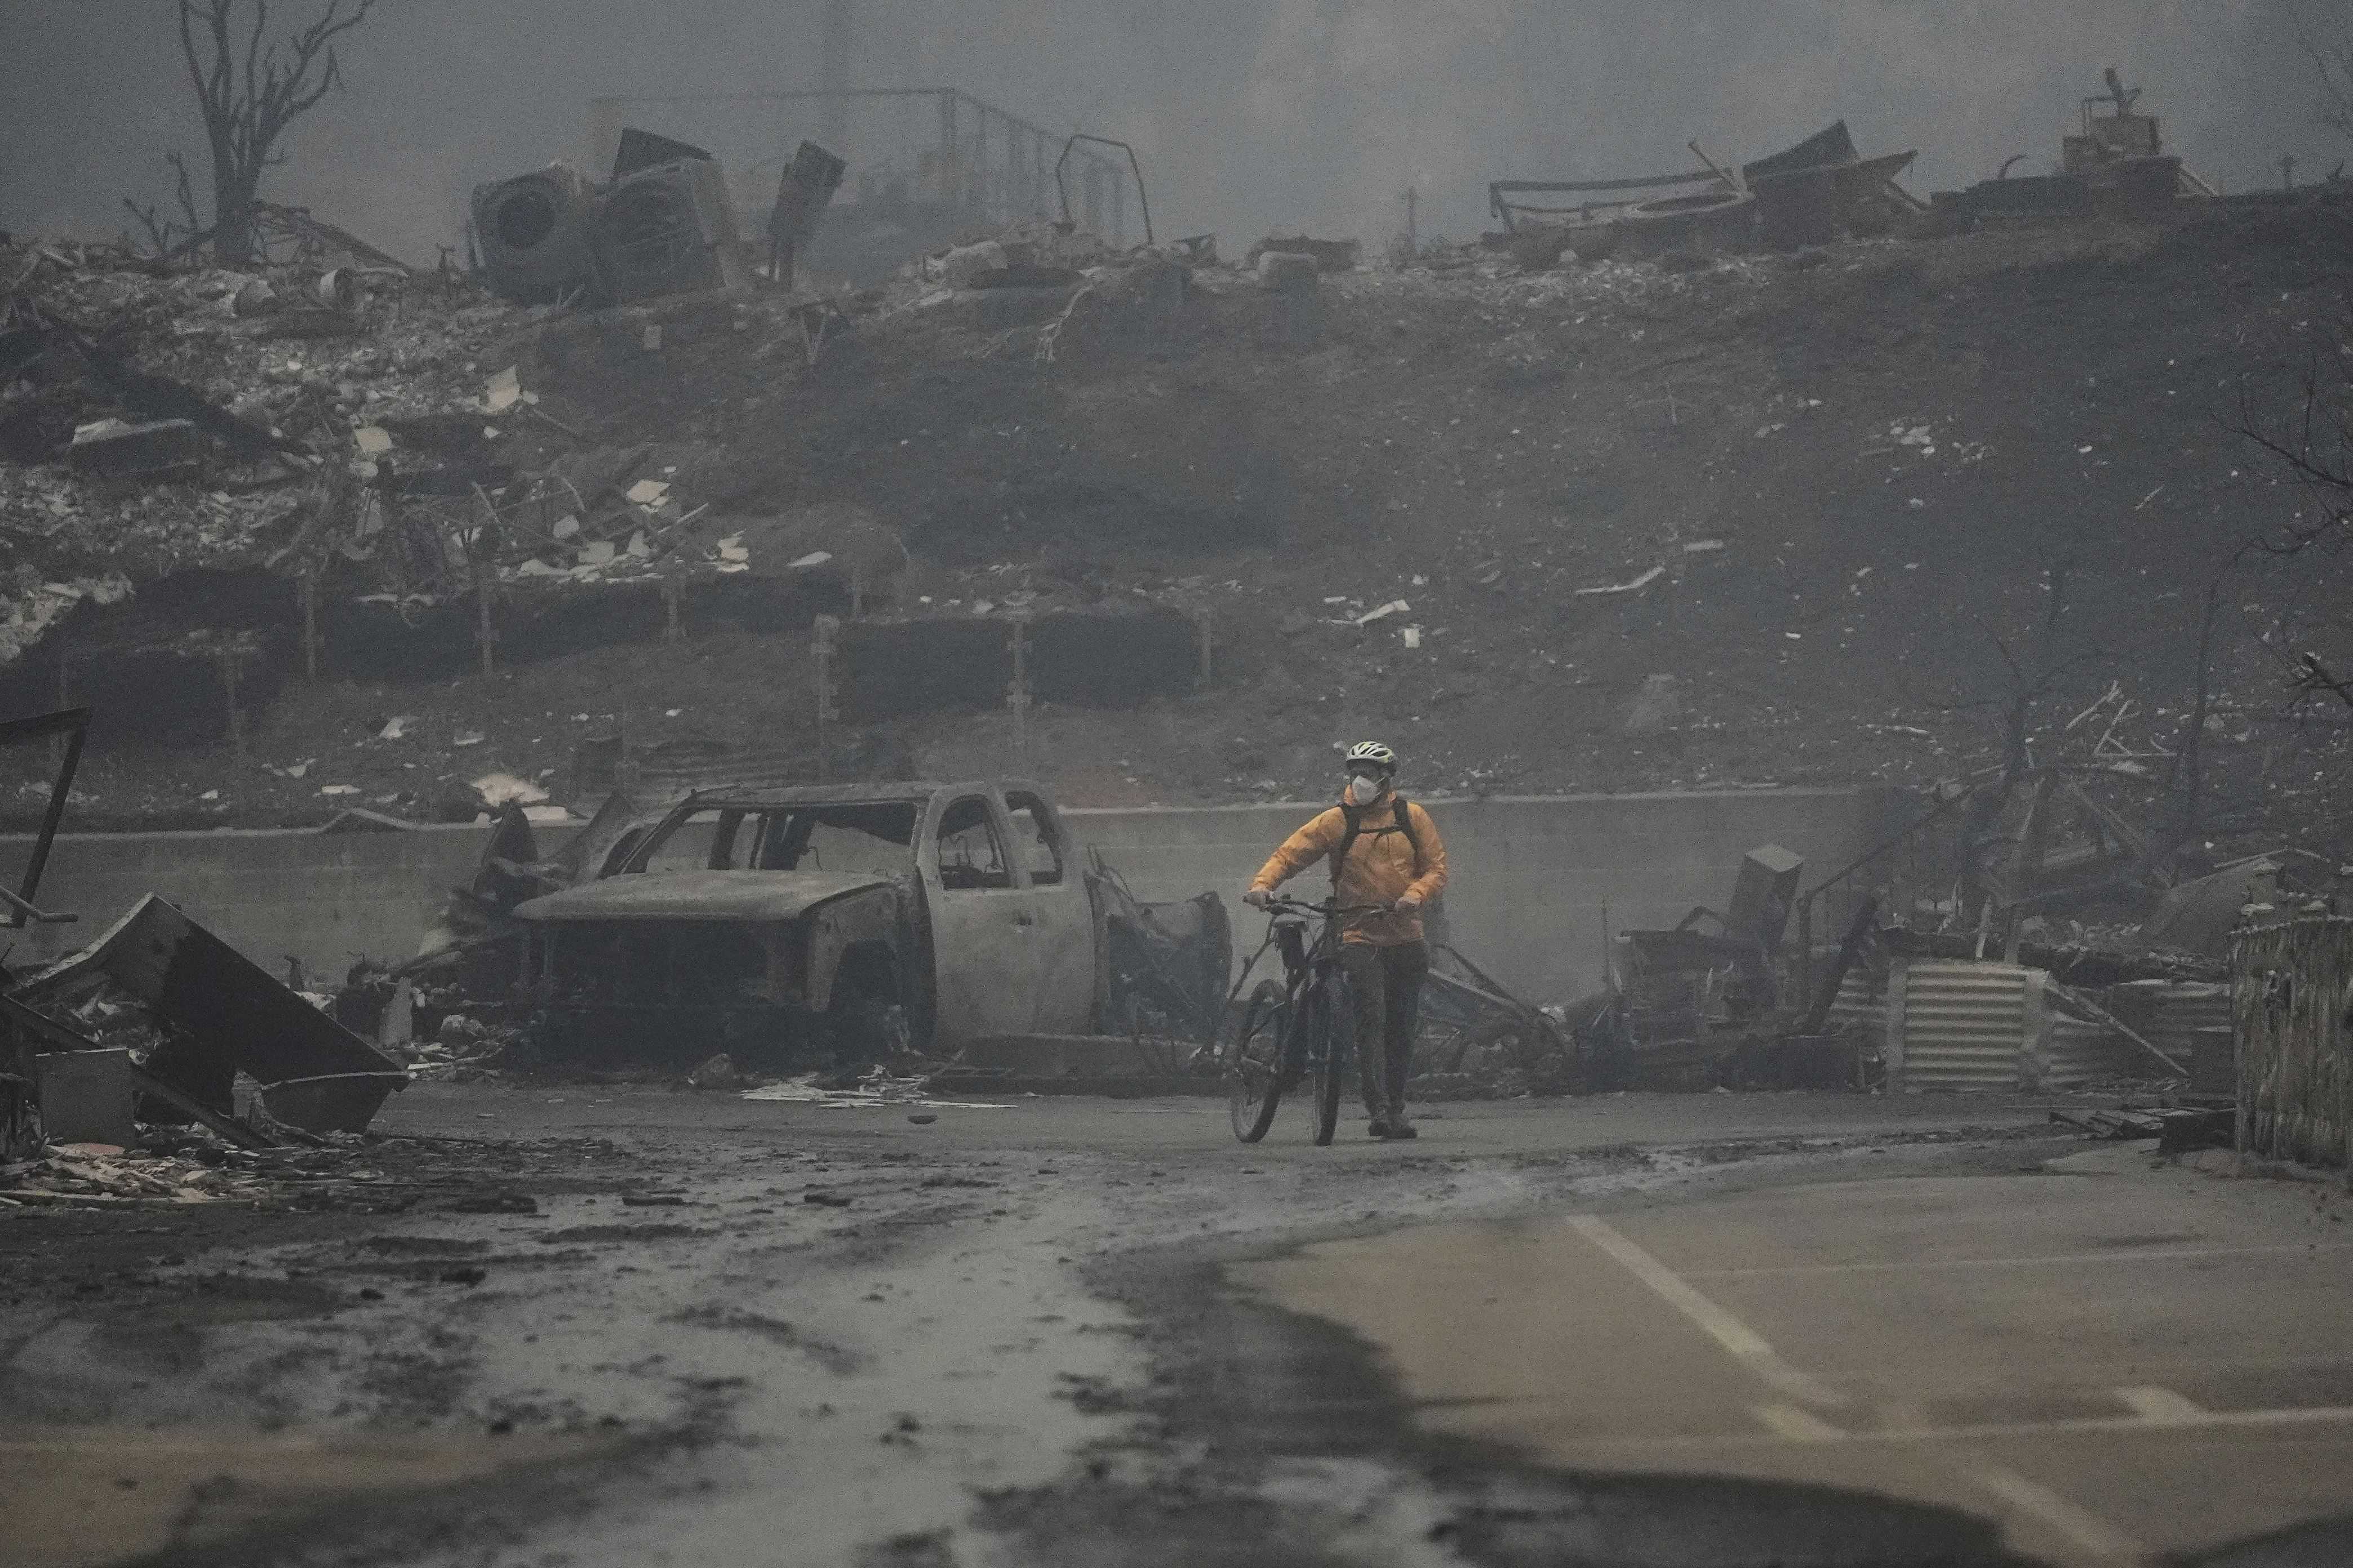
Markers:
point(1405, 825)
point(1356, 820)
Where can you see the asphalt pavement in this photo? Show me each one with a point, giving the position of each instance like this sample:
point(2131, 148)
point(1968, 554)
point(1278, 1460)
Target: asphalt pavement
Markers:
point(2115, 1357)
point(603, 1324)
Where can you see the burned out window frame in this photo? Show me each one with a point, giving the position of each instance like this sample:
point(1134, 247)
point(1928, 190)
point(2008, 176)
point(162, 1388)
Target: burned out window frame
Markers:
point(1049, 836)
point(992, 818)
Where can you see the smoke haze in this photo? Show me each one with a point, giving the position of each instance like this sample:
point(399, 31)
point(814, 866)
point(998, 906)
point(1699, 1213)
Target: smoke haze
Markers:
point(1250, 115)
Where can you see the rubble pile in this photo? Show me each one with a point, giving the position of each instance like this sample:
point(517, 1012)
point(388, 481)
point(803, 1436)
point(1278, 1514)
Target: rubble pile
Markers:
point(168, 1166)
point(1728, 497)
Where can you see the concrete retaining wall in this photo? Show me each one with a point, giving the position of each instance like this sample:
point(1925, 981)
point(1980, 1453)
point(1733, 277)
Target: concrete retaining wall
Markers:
point(1532, 877)
point(323, 897)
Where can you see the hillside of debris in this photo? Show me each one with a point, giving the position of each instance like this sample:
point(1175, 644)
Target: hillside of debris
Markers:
point(1842, 514)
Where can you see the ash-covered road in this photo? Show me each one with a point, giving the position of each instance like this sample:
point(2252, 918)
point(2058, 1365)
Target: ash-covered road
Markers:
point(587, 1325)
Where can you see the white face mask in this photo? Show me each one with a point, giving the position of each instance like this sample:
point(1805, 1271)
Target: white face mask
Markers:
point(1363, 791)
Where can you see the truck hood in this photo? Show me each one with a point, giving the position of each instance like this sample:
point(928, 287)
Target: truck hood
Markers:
point(698, 896)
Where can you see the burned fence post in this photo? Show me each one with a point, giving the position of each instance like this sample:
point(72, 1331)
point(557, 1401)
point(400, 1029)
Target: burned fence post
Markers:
point(311, 645)
point(1017, 695)
point(227, 658)
point(822, 651)
point(673, 626)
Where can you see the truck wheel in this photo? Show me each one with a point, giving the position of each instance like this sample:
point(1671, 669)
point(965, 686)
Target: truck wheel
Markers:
point(870, 1028)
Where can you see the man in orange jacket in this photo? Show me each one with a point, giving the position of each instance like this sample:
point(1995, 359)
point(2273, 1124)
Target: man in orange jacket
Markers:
point(1382, 849)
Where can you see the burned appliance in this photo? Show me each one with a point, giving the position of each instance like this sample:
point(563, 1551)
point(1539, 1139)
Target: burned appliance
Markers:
point(668, 228)
point(1685, 998)
point(534, 235)
point(802, 197)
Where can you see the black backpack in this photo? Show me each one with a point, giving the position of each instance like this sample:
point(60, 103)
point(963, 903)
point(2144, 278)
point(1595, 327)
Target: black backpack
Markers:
point(1356, 819)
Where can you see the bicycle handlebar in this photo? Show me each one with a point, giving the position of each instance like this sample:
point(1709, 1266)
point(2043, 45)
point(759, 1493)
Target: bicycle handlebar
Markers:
point(1293, 906)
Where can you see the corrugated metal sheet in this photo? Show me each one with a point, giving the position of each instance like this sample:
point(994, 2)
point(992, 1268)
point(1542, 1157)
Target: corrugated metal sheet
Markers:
point(1964, 1024)
point(1862, 1000)
point(2077, 1052)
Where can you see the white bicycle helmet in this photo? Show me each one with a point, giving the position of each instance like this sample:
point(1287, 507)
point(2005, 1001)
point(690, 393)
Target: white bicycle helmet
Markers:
point(1372, 754)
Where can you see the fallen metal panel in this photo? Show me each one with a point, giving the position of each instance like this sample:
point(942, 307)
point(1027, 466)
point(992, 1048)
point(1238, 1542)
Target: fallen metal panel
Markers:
point(1831, 146)
point(1964, 1024)
point(337, 1103)
point(227, 1013)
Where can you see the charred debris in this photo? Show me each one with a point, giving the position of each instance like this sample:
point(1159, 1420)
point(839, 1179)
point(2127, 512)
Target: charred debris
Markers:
point(364, 469)
point(163, 1064)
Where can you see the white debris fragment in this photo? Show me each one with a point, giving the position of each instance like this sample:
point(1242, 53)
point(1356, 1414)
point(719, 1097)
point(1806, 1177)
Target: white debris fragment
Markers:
point(395, 727)
point(1412, 637)
point(814, 558)
point(339, 789)
point(1703, 547)
point(372, 440)
point(500, 788)
point(1382, 612)
point(1633, 585)
point(648, 492)
point(503, 393)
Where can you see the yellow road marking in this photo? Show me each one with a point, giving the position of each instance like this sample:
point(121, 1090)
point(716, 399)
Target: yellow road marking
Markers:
point(1742, 1341)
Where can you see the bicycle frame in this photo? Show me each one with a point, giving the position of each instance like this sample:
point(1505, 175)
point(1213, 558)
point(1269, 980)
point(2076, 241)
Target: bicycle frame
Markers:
point(1306, 963)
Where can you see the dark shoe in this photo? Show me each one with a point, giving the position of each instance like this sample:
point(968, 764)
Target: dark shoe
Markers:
point(1398, 1127)
point(1378, 1127)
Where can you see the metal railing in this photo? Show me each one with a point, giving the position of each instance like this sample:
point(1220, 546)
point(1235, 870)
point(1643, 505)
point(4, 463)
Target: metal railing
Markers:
point(975, 156)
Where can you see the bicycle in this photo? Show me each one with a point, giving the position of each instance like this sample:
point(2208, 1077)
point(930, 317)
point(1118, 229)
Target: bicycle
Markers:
point(1302, 1026)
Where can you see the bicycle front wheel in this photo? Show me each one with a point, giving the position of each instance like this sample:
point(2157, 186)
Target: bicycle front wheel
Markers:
point(1334, 1045)
point(1254, 1062)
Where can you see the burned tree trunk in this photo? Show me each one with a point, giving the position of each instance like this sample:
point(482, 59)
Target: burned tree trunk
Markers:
point(250, 93)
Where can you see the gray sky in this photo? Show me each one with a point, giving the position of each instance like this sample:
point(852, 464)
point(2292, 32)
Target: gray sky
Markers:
point(1251, 114)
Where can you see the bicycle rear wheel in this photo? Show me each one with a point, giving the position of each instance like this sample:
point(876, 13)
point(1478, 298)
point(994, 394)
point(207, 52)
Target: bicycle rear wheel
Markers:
point(1334, 1045)
point(1254, 1062)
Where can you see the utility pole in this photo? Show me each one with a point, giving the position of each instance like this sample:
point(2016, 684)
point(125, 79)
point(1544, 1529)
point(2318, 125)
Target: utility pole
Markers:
point(833, 72)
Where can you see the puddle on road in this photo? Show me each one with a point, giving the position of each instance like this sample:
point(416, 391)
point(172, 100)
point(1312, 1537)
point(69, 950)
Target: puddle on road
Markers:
point(82, 1497)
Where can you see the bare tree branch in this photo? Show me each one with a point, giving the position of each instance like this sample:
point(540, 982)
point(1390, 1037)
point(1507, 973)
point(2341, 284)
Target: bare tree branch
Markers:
point(2328, 45)
point(250, 95)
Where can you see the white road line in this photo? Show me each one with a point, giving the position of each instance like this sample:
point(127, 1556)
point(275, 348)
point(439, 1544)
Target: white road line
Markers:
point(1798, 1425)
point(2034, 1260)
point(1737, 1337)
point(2094, 1537)
point(2162, 1406)
point(2205, 1420)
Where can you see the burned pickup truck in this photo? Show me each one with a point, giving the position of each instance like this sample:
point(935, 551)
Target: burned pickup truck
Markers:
point(848, 922)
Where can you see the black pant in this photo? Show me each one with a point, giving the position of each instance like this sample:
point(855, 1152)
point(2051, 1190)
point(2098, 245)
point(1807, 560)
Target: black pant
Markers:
point(1386, 983)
